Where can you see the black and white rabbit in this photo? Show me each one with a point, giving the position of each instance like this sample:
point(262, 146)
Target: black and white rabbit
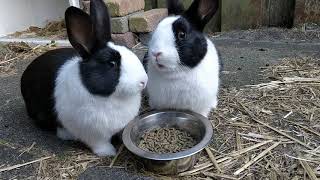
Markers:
point(88, 92)
point(182, 63)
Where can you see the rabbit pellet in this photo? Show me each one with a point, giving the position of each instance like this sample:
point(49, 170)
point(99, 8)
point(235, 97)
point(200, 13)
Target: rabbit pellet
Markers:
point(166, 140)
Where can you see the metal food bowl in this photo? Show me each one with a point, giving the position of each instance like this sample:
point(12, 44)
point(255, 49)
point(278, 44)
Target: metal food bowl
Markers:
point(170, 163)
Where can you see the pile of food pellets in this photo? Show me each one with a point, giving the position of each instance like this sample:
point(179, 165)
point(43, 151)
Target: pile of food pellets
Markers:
point(166, 140)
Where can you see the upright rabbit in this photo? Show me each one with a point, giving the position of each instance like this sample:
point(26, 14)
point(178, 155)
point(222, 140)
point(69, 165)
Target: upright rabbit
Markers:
point(88, 93)
point(182, 63)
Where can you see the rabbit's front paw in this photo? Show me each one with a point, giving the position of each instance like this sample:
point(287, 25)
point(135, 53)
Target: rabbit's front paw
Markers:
point(64, 134)
point(104, 149)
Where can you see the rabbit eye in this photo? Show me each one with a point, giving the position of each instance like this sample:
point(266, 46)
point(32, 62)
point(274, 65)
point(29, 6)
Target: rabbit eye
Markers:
point(181, 35)
point(113, 63)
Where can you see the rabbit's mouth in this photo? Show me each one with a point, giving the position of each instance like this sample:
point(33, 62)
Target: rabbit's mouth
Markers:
point(163, 66)
point(160, 66)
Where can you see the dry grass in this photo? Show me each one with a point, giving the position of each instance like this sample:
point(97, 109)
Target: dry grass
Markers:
point(11, 53)
point(285, 113)
point(66, 167)
point(261, 131)
point(269, 130)
point(52, 30)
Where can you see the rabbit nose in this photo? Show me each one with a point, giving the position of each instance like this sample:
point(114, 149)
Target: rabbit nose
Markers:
point(156, 54)
point(143, 84)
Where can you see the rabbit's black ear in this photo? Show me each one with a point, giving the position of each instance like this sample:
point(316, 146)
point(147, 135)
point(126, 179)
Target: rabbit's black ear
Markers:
point(201, 11)
point(80, 31)
point(101, 22)
point(175, 7)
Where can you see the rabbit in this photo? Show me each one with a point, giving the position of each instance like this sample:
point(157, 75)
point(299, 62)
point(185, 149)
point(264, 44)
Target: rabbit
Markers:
point(183, 65)
point(89, 92)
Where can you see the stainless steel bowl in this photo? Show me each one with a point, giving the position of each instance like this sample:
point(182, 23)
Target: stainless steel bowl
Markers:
point(170, 163)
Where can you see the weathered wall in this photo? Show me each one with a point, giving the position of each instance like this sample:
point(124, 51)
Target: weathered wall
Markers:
point(279, 13)
point(245, 14)
point(307, 11)
point(17, 15)
point(241, 14)
point(213, 26)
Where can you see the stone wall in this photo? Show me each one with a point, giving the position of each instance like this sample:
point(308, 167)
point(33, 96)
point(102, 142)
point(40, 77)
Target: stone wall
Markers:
point(129, 20)
point(132, 19)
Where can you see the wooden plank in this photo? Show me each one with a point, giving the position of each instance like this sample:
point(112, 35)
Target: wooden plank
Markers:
point(245, 14)
point(241, 14)
point(280, 13)
point(150, 4)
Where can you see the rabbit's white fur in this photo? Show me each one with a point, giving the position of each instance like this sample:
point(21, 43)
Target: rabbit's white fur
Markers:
point(95, 119)
point(176, 87)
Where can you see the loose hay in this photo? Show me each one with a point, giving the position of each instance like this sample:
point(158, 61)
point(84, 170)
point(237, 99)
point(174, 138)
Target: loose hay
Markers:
point(11, 53)
point(166, 140)
point(243, 148)
point(285, 111)
point(52, 30)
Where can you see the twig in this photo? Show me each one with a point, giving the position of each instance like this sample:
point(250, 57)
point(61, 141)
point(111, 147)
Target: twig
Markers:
point(287, 115)
point(213, 159)
point(212, 149)
point(233, 154)
point(200, 172)
point(259, 136)
point(203, 164)
point(24, 164)
point(303, 159)
point(187, 173)
point(9, 60)
point(28, 149)
point(242, 151)
point(223, 159)
point(263, 153)
point(253, 117)
point(136, 45)
point(117, 155)
point(238, 141)
point(287, 80)
point(308, 169)
point(214, 175)
point(305, 128)
point(311, 153)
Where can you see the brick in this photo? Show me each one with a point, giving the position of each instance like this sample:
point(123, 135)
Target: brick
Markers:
point(147, 21)
point(119, 24)
point(126, 39)
point(307, 11)
point(120, 8)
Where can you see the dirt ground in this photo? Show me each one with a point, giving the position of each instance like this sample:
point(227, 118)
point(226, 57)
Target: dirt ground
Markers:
point(240, 131)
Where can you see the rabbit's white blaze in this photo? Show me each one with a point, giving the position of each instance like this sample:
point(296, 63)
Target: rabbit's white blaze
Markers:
point(183, 64)
point(195, 89)
point(95, 119)
point(132, 72)
point(89, 92)
point(163, 41)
